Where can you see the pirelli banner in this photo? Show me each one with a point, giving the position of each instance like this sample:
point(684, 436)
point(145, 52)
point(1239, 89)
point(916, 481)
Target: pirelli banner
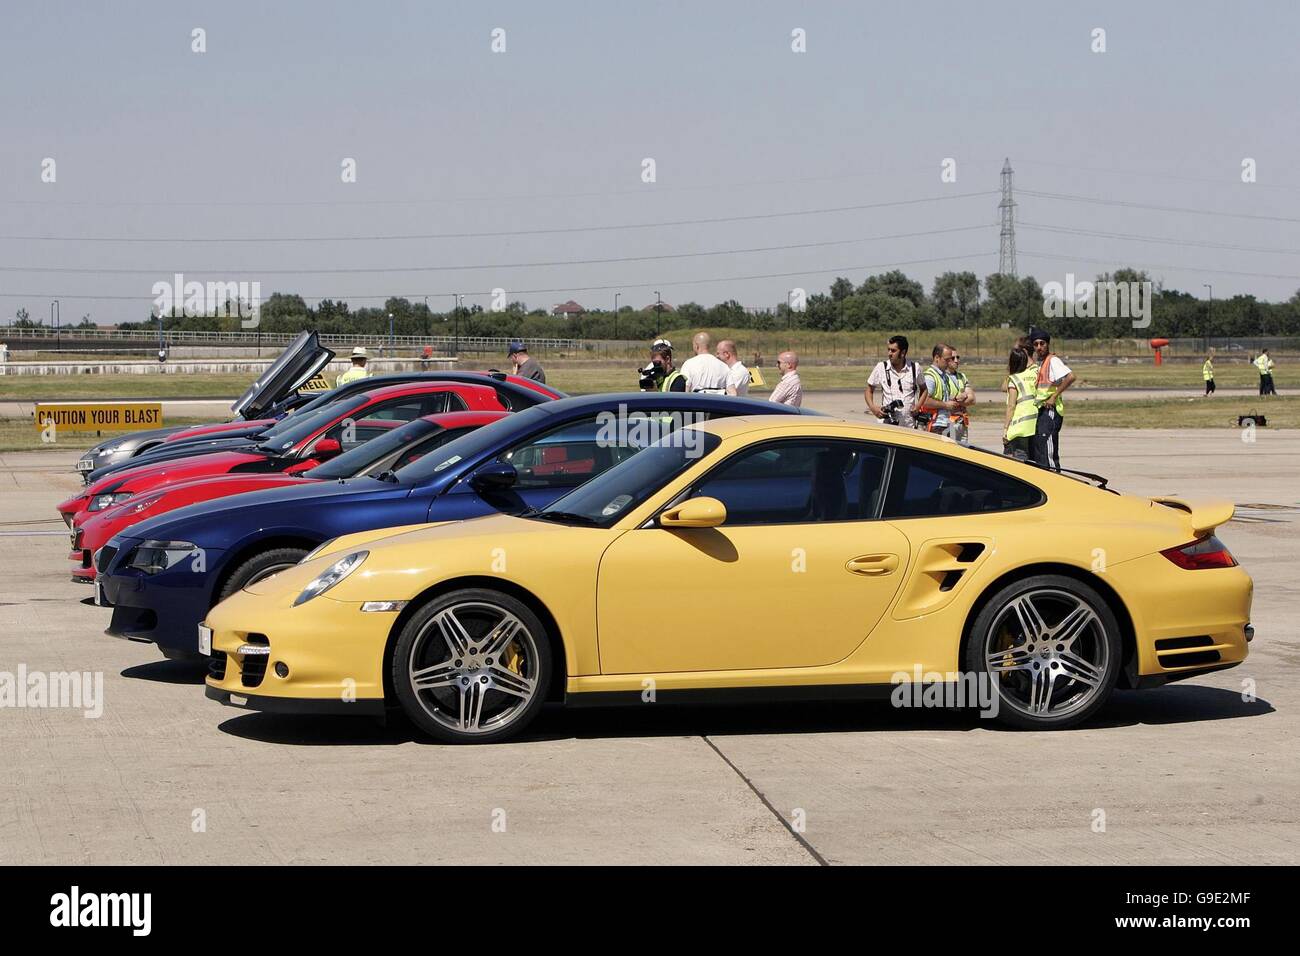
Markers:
point(98, 416)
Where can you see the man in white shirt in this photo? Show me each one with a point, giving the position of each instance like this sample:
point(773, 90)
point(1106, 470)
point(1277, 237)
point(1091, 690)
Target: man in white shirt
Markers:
point(788, 391)
point(737, 374)
point(704, 371)
point(898, 381)
point(1054, 377)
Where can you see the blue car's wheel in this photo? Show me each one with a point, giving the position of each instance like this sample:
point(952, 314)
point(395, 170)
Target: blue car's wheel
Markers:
point(472, 666)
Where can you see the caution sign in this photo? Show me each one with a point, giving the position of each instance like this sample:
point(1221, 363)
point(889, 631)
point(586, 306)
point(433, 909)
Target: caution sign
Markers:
point(316, 383)
point(98, 416)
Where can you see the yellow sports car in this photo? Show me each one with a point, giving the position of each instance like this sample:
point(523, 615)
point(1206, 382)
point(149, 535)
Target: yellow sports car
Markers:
point(804, 556)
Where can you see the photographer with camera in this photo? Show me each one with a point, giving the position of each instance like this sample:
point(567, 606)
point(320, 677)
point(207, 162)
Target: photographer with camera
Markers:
point(901, 385)
point(660, 375)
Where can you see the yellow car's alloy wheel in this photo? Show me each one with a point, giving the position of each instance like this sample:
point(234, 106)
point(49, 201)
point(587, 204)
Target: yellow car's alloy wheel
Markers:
point(474, 670)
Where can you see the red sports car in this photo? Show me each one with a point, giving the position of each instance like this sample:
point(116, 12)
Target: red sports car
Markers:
point(300, 444)
point(399, 446)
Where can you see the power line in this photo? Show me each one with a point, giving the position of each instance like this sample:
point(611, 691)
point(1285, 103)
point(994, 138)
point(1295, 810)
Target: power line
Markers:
point(496, 265)
point(753, 217)
point(1166, 176)
point(1152, 265)
point(1169, 240)
point(838, 270)
point(481, 197)
point(1066, 197)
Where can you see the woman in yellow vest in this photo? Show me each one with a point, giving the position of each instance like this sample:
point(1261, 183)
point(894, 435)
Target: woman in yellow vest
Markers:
point(1022, 405)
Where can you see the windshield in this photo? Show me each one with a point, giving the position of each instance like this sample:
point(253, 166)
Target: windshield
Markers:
point(365, 455)
point(609, 496)
point(470, 446)
point(281, 438)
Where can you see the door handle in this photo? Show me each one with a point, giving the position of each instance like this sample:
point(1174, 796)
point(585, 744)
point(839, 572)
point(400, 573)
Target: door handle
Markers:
point(873, 565)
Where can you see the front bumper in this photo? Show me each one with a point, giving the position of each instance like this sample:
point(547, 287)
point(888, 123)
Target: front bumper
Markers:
point(163, 609)
point(321, 657)
point(287, 705)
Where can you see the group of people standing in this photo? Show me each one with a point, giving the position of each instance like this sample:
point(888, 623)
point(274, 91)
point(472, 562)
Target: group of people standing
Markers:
point(899, 392)
point(938, 397)
point(717, 372)
point(1263, 364)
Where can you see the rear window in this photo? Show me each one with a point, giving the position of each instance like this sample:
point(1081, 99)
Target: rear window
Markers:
point(925, 485)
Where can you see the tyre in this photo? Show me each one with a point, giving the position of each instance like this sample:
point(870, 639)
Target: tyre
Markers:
point(1050, 646)
point(472, 666)
point(260, 566)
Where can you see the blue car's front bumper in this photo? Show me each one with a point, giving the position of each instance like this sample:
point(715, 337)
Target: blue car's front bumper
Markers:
point(163, 608)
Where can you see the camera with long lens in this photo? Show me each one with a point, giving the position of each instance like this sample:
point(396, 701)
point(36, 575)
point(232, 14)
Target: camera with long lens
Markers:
point(651, 376)
point(891, 412)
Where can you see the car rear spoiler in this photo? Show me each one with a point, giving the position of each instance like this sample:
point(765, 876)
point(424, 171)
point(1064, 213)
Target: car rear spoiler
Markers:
point(1205, 514)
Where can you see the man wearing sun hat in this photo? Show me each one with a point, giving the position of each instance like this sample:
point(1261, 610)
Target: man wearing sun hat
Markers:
point(358, 369)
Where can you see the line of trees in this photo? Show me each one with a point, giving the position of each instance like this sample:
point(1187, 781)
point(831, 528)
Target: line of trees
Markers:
point(889, 300)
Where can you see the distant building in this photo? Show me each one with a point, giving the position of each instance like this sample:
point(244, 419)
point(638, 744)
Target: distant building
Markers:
point(660, 306)
point(568, 309)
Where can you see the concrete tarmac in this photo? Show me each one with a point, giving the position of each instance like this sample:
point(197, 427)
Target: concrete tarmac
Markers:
point(1190, 773)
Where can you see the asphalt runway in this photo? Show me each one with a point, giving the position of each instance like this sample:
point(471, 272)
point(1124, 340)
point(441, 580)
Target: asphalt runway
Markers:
point(1190, 773)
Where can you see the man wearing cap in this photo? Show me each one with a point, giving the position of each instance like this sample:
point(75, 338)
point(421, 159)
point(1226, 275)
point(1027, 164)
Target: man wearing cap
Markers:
point(358, 369)
point(525, 365)
point(1054, 377)
point(661, 356)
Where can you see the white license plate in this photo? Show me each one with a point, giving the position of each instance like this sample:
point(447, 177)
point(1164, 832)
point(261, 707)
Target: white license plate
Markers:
point(100, 600)
point(86, 464)
point(205, 639)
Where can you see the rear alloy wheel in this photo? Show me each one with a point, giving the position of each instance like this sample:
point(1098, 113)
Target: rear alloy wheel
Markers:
point(1050, 646)
point(472, 666)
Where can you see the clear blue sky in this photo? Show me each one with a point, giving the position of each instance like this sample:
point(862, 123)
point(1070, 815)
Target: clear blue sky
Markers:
point(153, 141)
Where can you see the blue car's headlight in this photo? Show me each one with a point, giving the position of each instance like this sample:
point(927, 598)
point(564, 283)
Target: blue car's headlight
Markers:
point(331, 576)
point(155, 556)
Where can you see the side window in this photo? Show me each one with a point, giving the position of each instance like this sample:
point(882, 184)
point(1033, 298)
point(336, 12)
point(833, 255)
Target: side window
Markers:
point(451, 402)
point(924, 485)
point(574, 453)
point(794, 482)
point(396, 409)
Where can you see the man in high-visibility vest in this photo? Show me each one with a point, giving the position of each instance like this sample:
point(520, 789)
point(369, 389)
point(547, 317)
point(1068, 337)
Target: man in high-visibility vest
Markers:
point(358, 369)
point(1053, 378)
point(1265, 366)
point(1207, 373)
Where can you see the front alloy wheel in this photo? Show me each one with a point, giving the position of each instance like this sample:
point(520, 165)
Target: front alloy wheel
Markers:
point(1050, 647)
point(472, 666)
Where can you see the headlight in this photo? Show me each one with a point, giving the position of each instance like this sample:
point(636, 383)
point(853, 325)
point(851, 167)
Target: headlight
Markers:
point(332, 575)
point(154, 556)
point(318, 549)
point(100, 502)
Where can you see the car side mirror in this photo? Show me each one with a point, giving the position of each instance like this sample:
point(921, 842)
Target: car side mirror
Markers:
point(496, 476)
point(695, 513)
point(326, 448)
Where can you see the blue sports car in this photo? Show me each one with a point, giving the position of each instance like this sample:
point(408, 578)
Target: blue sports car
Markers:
point(163, 578)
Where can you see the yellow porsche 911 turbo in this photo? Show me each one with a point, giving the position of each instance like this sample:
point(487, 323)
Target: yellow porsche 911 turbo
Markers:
point(806, 556)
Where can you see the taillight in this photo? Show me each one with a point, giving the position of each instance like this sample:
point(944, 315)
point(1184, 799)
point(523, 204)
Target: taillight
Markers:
point(1204, 553)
